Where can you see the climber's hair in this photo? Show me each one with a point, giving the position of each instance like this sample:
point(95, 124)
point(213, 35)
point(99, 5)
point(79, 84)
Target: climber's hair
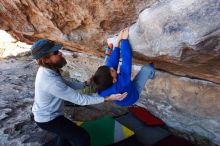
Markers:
point(102, 78)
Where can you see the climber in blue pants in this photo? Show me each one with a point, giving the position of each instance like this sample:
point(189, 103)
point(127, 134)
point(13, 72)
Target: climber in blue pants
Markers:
point(109, 82)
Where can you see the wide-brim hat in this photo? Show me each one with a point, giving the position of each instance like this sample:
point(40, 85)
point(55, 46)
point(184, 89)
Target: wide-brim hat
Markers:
point(43, 48)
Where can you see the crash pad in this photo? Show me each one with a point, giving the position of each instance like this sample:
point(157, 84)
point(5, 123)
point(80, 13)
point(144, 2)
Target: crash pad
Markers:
point(105, 131)
point(148, 135)
point(145, 116)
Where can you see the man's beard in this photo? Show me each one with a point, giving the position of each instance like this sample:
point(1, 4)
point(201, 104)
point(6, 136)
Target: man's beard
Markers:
point(61, 63)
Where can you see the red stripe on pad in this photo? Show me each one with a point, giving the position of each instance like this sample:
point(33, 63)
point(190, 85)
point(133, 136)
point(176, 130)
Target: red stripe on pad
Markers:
point(145, 116)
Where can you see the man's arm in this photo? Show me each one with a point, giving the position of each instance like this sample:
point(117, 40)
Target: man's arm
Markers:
point(124, 76)
point(75, 84)
point(113, 59)
point(61, 90)
point(126, 55)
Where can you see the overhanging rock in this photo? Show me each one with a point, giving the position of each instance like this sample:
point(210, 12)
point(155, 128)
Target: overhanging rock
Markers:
point(183, 36)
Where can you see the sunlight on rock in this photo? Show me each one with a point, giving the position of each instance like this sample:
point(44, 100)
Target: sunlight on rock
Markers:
point(11, 47)
point(5, 37)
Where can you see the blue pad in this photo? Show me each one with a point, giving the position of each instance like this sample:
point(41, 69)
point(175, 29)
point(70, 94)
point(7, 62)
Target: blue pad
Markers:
point(147, 135)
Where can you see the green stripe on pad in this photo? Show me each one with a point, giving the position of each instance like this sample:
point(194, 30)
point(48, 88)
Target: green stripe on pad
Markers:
point(101, 131)
point(105, 131)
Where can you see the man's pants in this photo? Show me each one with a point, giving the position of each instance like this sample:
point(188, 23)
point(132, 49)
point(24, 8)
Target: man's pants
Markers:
point(69, 134)
point(146, 72)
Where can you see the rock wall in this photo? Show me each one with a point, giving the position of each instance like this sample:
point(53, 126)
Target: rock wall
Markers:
point(181, 36)
point(189, 105)
point(81, 25)
point(185, 36)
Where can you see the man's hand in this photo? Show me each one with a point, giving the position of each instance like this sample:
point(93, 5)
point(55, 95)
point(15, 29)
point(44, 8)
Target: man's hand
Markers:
point(116, 97)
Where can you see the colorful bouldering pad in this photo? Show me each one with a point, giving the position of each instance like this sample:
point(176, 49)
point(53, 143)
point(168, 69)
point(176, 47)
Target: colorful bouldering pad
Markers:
point(145, 116)
point(148, 135)
point(105, 131)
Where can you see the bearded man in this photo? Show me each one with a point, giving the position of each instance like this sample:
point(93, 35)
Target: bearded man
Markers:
point(51, 90)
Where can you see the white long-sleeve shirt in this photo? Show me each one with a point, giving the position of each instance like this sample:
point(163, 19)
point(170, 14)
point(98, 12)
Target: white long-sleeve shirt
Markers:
point(50, 92)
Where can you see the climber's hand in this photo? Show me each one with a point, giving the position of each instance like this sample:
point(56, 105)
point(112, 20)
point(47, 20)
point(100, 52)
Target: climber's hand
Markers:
point(125, 33)
point(119, 38)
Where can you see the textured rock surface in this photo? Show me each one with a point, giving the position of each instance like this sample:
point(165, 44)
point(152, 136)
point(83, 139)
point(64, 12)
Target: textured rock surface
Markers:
point(189, 105)
point(184, 35)
point(82, 25)
point(16, 89)
point(10, 47)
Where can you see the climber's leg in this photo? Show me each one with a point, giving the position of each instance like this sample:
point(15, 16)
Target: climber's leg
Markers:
point(146, 72)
